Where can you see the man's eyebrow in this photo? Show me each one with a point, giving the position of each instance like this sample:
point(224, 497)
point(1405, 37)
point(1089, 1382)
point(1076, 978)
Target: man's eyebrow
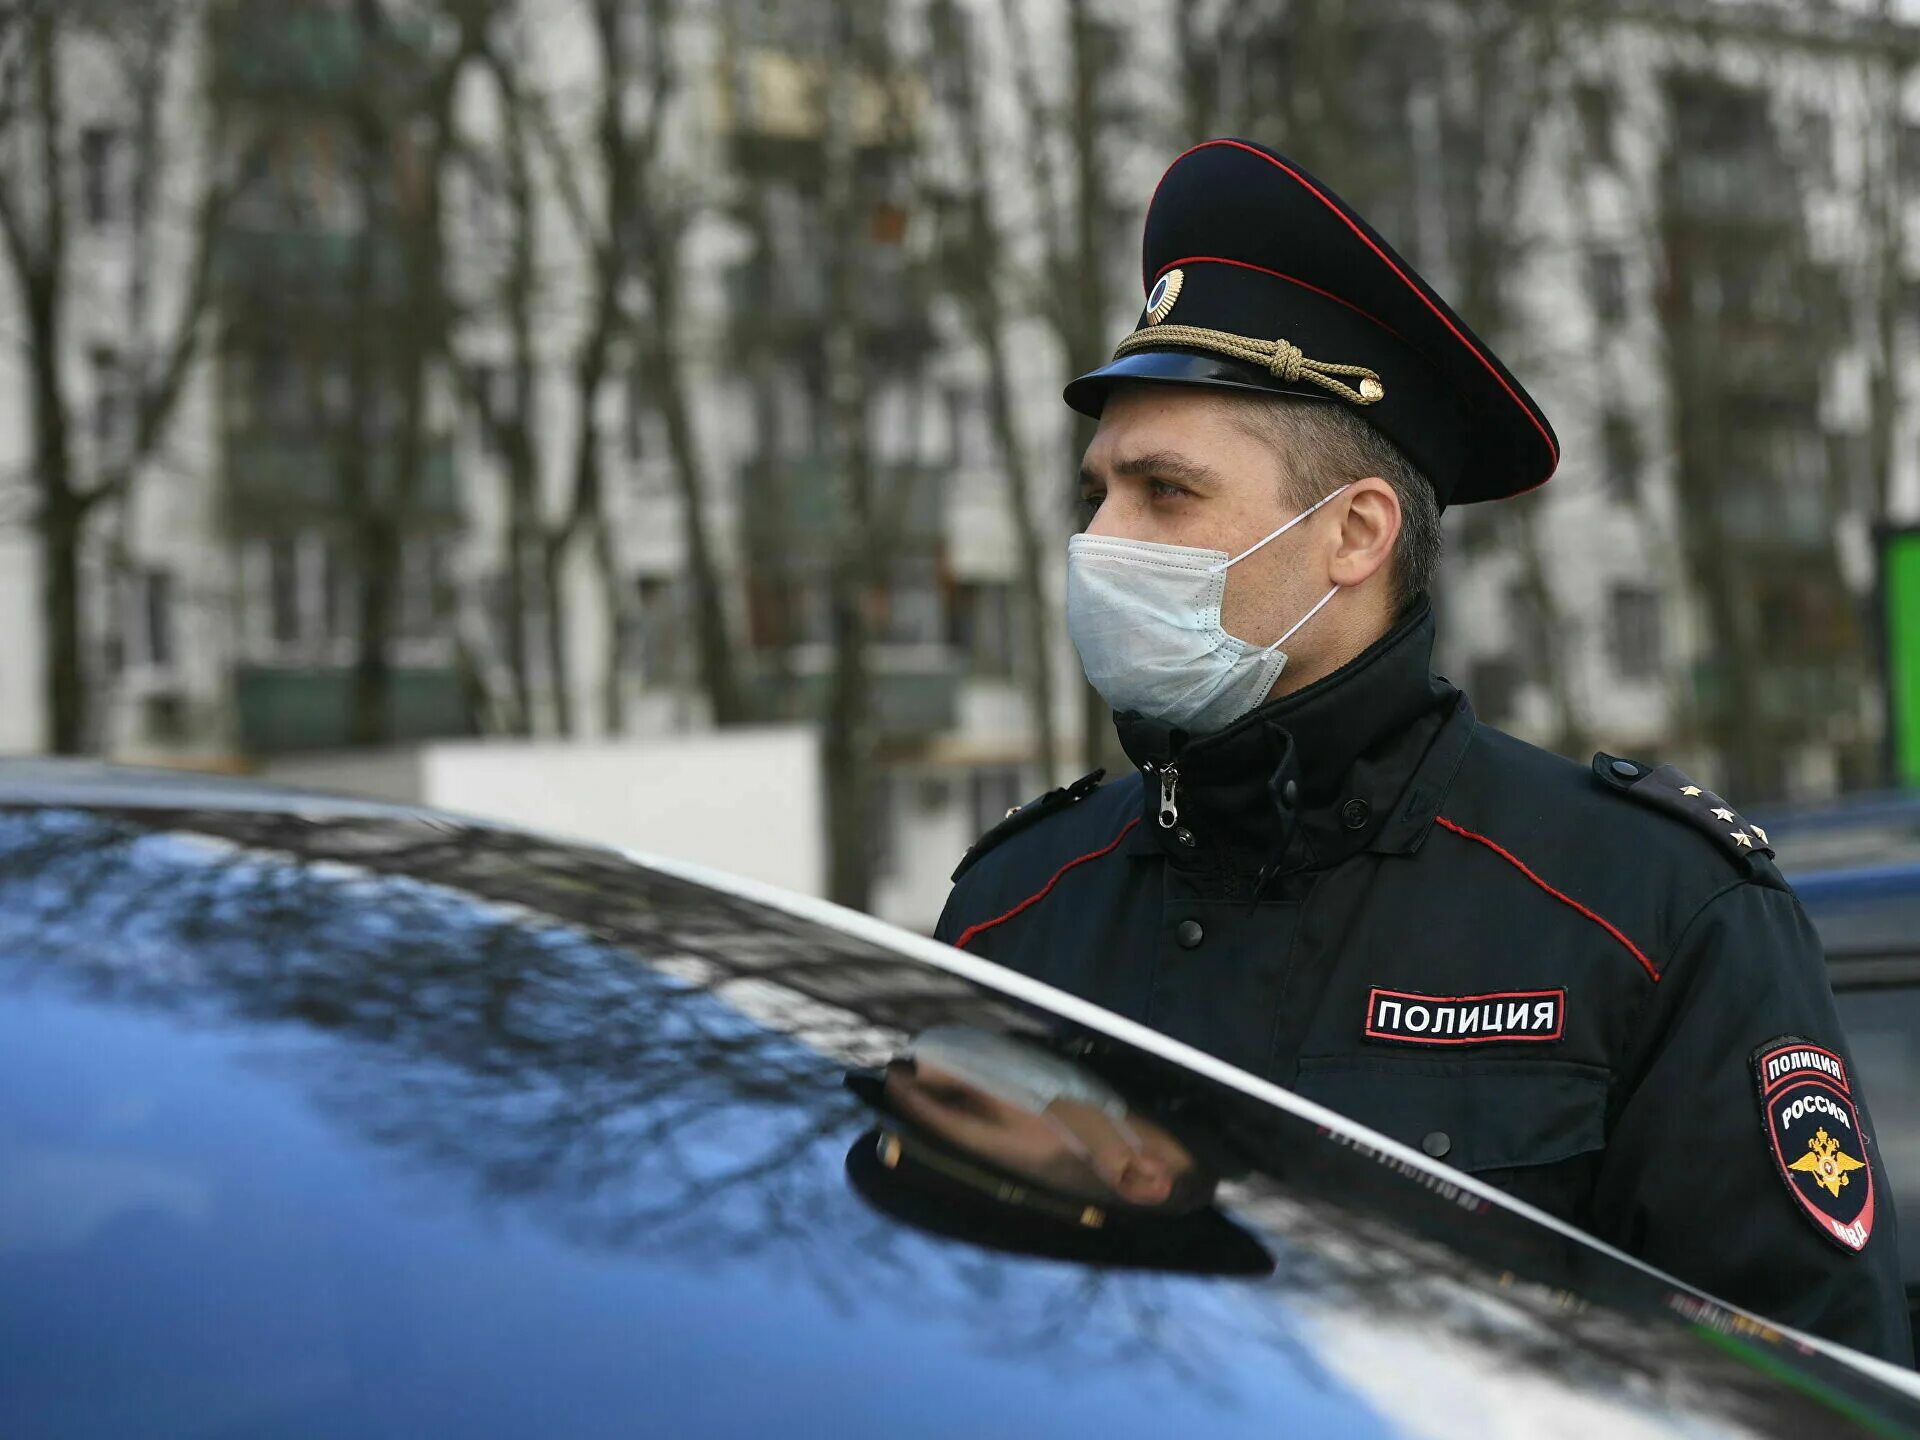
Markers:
point(1162, 465)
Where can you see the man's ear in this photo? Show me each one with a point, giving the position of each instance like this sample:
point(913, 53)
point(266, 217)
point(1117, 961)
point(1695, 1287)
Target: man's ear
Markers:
point(1369, 528)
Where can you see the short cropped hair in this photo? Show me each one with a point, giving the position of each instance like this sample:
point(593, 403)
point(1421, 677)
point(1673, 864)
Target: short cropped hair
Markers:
point(1322, 445)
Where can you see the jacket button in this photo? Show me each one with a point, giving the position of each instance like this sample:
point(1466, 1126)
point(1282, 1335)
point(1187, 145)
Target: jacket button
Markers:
point(1626, 769)
point(1437, 1143)
point(1189, 934)
point(1289, 794)
point(1185, 837)
point(1355, 814)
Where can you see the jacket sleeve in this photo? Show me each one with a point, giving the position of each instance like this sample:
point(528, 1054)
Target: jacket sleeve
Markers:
point(1690, 1181)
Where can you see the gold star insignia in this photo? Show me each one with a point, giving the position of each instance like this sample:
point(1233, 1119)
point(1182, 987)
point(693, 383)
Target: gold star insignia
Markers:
point(1689, 789)
point(1761, 833)
point(1723, 814)
point(1743, 838)
point(1827, 1163)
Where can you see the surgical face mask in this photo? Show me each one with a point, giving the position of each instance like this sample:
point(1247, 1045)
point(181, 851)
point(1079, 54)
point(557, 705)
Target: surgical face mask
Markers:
point(1145, 619)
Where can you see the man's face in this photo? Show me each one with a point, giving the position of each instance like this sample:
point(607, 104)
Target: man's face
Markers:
point(1177, 466)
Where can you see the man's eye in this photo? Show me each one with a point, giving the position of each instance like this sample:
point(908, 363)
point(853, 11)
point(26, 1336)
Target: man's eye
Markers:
point(1089, 504)
point(1161, 490)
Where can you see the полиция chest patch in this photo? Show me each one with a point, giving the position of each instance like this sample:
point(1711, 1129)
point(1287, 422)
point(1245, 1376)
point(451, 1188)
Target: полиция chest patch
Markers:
point(1813, 1129)
point(1407, 1017)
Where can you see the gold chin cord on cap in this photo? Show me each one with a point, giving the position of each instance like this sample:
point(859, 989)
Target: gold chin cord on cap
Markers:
point(1280, 358)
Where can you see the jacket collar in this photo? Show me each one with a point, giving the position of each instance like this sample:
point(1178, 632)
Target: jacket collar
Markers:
point(1351, 745)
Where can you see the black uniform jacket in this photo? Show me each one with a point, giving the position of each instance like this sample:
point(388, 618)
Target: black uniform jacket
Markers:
point(1514, 962)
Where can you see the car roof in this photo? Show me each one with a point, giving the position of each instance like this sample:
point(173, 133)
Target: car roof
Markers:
point(608, 1084)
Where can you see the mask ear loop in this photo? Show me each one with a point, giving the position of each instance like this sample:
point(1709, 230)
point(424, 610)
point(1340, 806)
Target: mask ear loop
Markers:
point(1258, 544)
point(1301, 621)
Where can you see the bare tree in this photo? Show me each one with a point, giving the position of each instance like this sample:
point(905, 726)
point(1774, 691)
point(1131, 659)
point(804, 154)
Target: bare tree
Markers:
point(399, 121)
point(976, 262)
point(660, 211)
point(1076, 214)
point(71, 484)
point(627, 213)
point(857, 53)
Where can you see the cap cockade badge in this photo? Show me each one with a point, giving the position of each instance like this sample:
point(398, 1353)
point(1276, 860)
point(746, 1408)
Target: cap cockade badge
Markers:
point(1165, 291)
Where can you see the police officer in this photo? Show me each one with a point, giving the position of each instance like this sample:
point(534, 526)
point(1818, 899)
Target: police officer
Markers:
point(1588, 986)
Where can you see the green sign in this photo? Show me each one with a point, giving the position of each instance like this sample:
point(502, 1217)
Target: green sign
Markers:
point(1900, 588)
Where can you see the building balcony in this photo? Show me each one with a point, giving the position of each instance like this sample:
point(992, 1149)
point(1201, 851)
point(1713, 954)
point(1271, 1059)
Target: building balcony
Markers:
point(281, 50)
point(774, 107)
point(915, 690)
point(789, 305)
point(274, 480)
point(308, 268)
point(282, 709)
point(796, 504)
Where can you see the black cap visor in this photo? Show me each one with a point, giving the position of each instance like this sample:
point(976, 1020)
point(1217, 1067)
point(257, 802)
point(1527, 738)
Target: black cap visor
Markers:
point(1089, 393)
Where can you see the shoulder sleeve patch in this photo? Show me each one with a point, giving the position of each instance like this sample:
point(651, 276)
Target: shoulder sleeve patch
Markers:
point(1814, 1134)
point(1664, 788)
point(1020, 817)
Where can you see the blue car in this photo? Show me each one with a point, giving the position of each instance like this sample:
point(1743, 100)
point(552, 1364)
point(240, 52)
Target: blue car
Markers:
point(323, 1118)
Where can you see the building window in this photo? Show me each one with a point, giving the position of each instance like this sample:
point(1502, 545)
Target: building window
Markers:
point(1634, 631)
point(1607, 285)
point(991, 792)
point(422, 582)
point(1595, 106)
point(338, 598)
point(1908, 140)
point(1816, 146)
point(914, 612)
point(112, 405)
point(982, 628)
point(149, 619)
point(283, 591)
point(1620, 455)
point(653, 648)
point(971, 433)
point(98, 147)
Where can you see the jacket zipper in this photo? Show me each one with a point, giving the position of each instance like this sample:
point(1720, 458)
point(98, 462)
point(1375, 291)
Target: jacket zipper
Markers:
point(1169, 796)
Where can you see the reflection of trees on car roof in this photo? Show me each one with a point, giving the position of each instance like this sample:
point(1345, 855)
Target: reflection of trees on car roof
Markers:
point(564, 1078)
point(556, 1027)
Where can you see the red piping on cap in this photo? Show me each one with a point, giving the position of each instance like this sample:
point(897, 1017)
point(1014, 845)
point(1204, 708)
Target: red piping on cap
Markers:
point(1046, 889)
point(1565, 899)
point(1290, 279)
point(1472, 349)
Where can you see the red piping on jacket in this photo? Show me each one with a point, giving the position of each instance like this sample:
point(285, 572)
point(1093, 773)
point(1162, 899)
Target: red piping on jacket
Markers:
point(1565, 899)
point(1300, 180)
point(1047, 889)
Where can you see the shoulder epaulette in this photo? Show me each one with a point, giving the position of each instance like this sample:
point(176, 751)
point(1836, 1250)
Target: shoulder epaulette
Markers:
point(1021, 816)
point(1667, 789)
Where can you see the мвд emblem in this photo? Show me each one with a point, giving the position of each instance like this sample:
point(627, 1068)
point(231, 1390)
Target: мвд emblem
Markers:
point(1813, 1128)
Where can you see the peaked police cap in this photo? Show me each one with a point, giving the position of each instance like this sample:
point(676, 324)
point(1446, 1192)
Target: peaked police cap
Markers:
point(1260, 279)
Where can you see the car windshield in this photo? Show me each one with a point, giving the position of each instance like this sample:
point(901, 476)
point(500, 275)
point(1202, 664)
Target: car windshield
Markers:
point(335, 1125)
